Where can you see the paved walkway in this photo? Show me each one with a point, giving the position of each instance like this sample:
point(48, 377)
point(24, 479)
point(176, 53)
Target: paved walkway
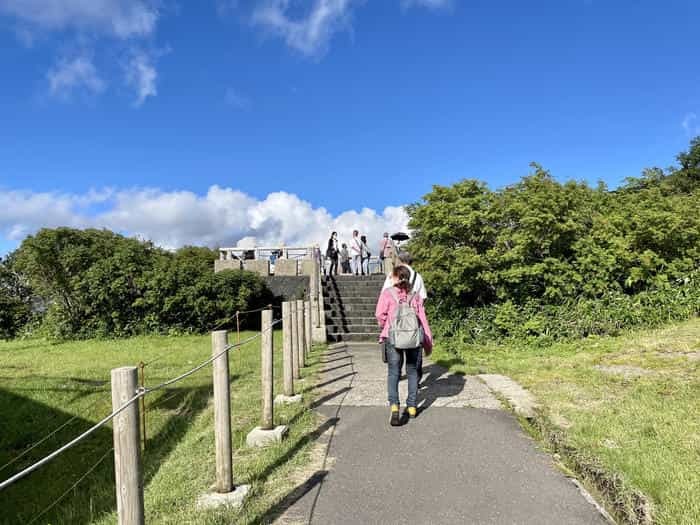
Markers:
point(463, 460)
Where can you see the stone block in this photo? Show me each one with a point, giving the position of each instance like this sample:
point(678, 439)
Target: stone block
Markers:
point(286, 267)
point(228, 264)
point(307, 267)
point(287, 400)
point(259, 437)
point(259, 266)
point(214, 500)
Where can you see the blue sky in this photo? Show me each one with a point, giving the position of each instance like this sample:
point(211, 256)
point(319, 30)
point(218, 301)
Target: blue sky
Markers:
point(156, 118)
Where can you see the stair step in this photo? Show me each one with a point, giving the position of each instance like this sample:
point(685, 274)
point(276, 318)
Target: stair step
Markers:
point(353, 337)
point(351, 320)
point(350, 310)
point(363, 329)
point(350, 300)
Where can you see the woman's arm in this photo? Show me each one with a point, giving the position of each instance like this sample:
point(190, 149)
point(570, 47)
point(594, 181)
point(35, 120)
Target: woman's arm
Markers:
point(427, 333)
point(381, 312)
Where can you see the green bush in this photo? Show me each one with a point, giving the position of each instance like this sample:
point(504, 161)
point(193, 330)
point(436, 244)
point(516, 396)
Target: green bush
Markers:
point(543, 260)
point(96, 283)
point(538, 323)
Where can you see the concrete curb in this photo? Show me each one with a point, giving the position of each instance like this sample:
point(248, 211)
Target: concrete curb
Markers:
point(630, 504)
point(522, 401)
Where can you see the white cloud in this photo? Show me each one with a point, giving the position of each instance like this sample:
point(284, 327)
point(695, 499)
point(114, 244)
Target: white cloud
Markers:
point(141, 75)
point(691, 124)
point(120, 18)
point(223, 216)
point(71, 74)
point(308, 34)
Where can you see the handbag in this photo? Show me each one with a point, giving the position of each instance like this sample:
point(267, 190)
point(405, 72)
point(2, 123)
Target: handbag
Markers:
point(382, 345)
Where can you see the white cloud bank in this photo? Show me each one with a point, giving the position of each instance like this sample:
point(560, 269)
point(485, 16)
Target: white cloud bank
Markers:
point(221, 217)
point(120, 18)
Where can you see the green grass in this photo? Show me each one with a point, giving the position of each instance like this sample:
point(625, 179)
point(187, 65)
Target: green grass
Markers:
point(44, 385)
point(645, 428)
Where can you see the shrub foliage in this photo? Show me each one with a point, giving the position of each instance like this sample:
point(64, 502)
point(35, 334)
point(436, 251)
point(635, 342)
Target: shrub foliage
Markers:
point(544, 258)
point(98, 283)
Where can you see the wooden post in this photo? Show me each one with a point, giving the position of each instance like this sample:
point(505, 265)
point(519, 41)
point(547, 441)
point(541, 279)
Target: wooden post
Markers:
point(300, 333)
point(295, 341)
point(307, 326)
point(127, 447)
point(266, 349)
point(313, 292)
point(222, 413)
point(287, 358)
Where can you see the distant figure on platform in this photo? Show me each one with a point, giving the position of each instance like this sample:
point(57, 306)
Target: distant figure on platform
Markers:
point(345, 259)
point(356, 252)
point(332, 253)
point(320, 259)
point(405, 334)
point(386, 250)
point(365, 255)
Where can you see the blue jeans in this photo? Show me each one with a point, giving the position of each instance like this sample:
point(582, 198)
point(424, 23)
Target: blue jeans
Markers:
point(395, 360)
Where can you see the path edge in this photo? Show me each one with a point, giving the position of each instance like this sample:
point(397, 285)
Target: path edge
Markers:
point(629, 505)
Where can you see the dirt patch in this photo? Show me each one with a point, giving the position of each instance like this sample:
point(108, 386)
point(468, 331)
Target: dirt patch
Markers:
point(625, 371)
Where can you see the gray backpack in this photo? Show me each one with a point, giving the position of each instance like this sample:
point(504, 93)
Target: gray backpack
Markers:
point(405, 331)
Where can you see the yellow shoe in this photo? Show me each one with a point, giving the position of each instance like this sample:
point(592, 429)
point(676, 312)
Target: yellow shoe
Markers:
point(395, 421)
point(412, 412)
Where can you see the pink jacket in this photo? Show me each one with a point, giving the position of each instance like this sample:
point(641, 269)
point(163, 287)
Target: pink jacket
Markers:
point(386, 306)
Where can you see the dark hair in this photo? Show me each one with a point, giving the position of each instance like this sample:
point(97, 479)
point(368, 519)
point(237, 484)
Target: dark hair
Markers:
point(334, 233)
point(403, 274)
point(363, 238)
point(405, 258)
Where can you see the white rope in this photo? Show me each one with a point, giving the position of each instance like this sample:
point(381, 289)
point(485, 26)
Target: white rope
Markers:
point(68, 445)
point(139, 393)
point(58, 500)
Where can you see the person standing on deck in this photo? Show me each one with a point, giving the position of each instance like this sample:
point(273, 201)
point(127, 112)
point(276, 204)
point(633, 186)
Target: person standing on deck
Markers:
point(356, 251)
point(365, 255)
point(386, 250)
point(332, 253)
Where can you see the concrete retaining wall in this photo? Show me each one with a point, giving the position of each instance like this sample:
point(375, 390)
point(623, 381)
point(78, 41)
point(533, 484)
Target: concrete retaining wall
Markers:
point(285, 267)
point(229, 264)
point(287, 288)
point(259, 266)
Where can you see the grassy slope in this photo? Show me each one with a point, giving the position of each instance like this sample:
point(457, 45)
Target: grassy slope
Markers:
point(646, 428)
point(44, 385)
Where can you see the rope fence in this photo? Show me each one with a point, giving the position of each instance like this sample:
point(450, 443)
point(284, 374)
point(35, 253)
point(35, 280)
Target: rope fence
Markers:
point(126, 418)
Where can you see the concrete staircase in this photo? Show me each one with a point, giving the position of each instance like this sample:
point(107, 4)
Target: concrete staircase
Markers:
point(349, 302)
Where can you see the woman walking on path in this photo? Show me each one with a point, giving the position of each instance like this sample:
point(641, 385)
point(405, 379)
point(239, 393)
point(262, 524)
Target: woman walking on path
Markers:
point(364, 261)
point(332, 253)
point(405, 333)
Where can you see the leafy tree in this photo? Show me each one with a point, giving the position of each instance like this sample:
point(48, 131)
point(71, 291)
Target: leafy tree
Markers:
point(542, 242)
point(15, 300)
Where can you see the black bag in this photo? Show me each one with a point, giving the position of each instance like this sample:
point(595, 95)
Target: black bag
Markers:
point(382, 346)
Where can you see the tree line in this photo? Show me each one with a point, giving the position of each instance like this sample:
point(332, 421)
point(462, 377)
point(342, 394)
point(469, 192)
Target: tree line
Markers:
point(69, 283)
point(523, 260)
